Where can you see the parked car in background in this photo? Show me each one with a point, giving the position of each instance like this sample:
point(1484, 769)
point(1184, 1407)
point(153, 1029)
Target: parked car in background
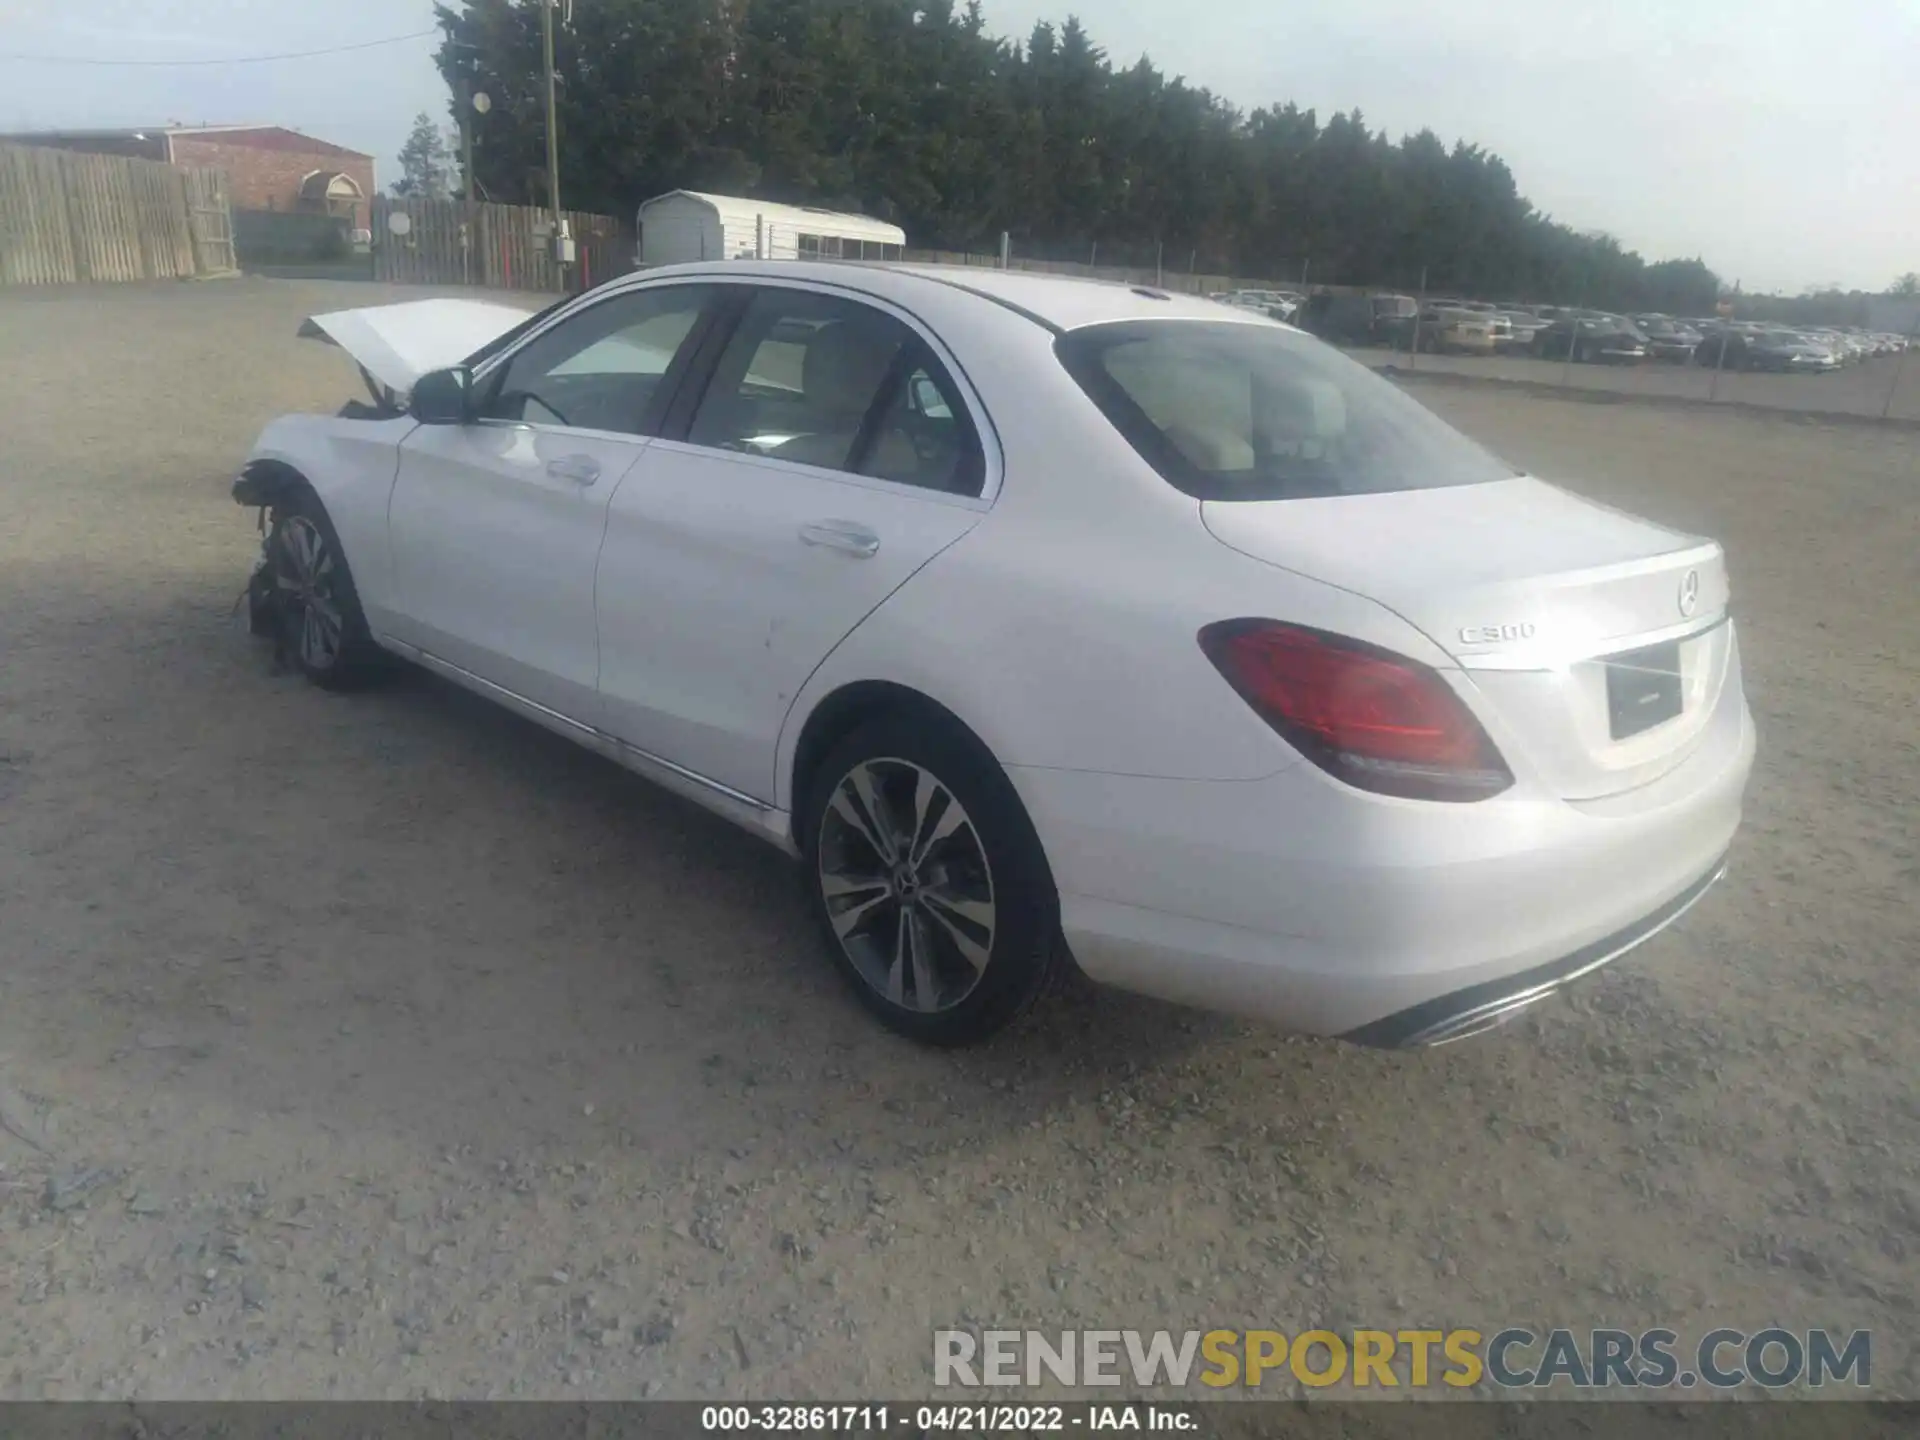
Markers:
point(1334, 719)
point(1446, 330)
point(1496, 318)
point(1286, 305)
point(1592, 337)
point(1240, 299)
point(1275, 304)
point(1785, 351)
point(1361, 319)
point(1667, 338)
point(1522, 327)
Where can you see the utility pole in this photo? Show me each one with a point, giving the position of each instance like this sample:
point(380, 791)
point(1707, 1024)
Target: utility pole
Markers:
point(1900, 365)
point(562, 241)
point(1573, 339)
point(466, 140)
point(1720, 351)
point(1419, 313)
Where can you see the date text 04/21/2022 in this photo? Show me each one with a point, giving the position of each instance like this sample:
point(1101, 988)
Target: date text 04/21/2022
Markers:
point(921, 1419)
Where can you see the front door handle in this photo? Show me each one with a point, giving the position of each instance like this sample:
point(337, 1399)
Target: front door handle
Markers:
point(841, 535)
point(580, 469)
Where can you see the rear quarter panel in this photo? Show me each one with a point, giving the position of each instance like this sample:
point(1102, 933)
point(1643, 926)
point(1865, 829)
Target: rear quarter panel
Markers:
point(1064, 628)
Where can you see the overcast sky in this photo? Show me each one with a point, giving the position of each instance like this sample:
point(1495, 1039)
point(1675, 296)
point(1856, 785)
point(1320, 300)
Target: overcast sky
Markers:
point(1773, 138)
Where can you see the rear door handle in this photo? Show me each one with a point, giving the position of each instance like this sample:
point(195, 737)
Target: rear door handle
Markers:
point(841, 535)
point(580, 469)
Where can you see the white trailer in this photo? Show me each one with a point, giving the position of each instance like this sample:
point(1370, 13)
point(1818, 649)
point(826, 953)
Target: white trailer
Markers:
point(687, 225)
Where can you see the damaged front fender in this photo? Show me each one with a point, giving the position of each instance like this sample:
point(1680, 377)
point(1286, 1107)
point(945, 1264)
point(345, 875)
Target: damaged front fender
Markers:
point(261, 482)
point(261, 485)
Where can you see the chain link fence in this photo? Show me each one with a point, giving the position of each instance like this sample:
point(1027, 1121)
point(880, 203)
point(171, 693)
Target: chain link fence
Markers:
point(1880, 385)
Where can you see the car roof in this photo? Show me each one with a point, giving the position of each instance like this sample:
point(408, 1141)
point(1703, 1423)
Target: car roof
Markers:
point(1067, 301)
point(1059, 302)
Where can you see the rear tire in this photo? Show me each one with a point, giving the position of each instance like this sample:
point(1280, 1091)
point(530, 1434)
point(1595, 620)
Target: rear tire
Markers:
point(322, 630)
point(930, 887)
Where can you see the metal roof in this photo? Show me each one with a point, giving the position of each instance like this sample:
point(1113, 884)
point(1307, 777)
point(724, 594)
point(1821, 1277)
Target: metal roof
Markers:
point(267, 137)
point(1058, 302)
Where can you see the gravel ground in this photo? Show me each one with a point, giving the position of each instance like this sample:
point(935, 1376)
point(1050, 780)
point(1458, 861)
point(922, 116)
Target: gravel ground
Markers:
point(387, 1046)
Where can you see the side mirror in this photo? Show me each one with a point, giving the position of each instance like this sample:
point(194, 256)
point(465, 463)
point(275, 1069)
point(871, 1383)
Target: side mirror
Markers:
point(443, 397)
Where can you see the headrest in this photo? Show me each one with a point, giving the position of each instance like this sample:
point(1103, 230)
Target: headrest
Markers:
point(846, 361)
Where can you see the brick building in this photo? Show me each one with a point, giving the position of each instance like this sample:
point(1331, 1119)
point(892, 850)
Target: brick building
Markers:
point(268, 166)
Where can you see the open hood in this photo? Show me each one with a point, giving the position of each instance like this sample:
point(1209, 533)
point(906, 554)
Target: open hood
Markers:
point(396, 344)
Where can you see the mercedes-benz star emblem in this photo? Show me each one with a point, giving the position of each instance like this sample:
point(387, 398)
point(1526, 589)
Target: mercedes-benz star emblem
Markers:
point(1690, 592)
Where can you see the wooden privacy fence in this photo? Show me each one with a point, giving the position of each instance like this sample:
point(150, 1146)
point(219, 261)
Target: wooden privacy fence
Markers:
point(67, 217)
point(501, 247)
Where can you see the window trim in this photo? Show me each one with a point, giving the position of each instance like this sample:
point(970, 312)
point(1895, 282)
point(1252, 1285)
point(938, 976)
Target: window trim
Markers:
point(992, 449)
point(693, 391)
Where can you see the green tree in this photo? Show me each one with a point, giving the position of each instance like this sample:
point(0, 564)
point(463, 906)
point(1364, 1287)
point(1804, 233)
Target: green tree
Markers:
point(426, 165)
point(1907, 284)
point(911, 110)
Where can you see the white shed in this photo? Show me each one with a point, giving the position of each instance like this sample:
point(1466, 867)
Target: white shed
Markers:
point(686, 225)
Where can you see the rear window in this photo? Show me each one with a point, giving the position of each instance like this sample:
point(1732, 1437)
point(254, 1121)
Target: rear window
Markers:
point(1250, 412)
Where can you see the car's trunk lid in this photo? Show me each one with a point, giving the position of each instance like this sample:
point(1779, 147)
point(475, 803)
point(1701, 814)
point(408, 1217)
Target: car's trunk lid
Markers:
point(1555, 608)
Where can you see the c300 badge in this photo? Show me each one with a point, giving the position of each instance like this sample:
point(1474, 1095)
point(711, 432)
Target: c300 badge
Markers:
point(1497, 634)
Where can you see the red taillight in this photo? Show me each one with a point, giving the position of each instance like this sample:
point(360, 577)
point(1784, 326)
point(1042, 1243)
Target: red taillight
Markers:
point(1374, 719)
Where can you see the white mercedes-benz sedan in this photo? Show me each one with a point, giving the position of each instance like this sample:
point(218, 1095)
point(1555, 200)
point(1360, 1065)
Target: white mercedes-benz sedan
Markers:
point(1039, 618)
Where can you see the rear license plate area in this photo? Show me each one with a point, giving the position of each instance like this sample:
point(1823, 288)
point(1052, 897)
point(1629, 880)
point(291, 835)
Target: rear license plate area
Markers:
point(1643, 689)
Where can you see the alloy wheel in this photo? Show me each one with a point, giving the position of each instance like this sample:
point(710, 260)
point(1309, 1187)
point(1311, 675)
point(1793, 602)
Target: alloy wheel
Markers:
point(906, 884)
point(304, 574)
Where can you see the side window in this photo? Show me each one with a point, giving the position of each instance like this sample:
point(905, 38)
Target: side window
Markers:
point(829, 382)
point(921, 435)
point(603, 368)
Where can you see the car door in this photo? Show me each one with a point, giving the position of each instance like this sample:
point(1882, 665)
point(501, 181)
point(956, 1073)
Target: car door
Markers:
point(829, 456)
point(496, 525)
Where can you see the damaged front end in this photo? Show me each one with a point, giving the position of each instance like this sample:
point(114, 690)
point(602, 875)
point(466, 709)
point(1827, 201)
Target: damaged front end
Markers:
point(266, 619)
point(259, 487)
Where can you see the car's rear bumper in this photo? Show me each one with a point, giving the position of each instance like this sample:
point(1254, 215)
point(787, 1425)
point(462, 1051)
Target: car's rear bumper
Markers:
point(1329, 911)
point(1479, 1008)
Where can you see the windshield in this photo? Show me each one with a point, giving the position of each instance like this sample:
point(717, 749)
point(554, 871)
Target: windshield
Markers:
point(500, 342)
point(1248, 412)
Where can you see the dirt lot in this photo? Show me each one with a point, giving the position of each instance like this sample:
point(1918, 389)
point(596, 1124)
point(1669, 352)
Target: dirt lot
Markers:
point(388, 1046)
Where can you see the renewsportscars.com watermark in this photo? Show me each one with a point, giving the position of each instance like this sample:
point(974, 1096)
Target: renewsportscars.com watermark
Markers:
point(1509, 1359)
